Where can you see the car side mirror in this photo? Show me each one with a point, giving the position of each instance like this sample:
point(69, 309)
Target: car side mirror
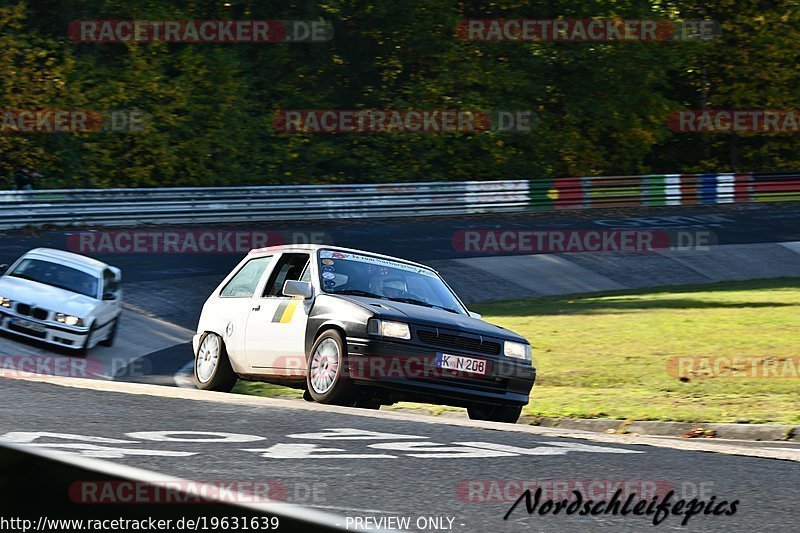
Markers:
point(3, 269)
point(109, 296)
point(298, 288)
point(474, 314)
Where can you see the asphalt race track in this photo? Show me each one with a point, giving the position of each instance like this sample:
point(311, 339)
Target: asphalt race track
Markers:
point(408, 469)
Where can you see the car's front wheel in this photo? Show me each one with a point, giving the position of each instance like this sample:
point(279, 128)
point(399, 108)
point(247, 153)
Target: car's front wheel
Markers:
point(495, 413)
point(212, 368)
point(327, 378)
point(112, 334)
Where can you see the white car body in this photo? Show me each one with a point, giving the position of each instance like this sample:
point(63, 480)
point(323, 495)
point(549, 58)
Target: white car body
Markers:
point(48, 313)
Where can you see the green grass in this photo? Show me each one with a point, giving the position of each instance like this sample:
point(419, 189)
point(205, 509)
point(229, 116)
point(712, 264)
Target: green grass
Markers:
point(605, 354)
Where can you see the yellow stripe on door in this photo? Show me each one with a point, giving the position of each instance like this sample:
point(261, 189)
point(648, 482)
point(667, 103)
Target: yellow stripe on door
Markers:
point(289, 311)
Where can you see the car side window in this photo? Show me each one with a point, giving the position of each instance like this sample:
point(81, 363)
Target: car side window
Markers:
point(243, 283)
point(110, 284)
point(289, 267)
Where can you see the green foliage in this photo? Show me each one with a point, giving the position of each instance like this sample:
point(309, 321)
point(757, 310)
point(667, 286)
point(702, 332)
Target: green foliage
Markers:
point(602, 107)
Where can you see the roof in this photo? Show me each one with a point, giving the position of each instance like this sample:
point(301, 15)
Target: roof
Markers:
point(314, 247)
point(68, 257)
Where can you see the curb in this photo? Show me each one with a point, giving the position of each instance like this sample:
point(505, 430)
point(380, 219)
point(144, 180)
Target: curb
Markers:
point(754, 432)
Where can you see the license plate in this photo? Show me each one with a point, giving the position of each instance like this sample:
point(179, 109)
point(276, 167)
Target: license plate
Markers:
point(461, 363)
point(27, 324)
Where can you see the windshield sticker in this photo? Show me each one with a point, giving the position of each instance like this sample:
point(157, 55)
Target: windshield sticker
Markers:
point(327, 261)
point(386, 263)
point(327, 269)
point(328, 275)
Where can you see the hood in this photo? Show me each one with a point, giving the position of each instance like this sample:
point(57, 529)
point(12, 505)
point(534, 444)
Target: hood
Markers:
point(46, 296)
point(430, 316)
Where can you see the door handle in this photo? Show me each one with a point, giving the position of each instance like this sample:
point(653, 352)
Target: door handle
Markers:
point(257, 308)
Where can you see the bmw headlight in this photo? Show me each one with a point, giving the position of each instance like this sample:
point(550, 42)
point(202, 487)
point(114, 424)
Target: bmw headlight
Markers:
point(386, 328)
point(5, 302)
point(517, 349)
point(69, 320)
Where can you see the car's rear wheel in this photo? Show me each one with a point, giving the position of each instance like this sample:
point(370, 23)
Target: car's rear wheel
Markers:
point(495, 413)
point(112, 334)
point(327, 377)
point(212, 368)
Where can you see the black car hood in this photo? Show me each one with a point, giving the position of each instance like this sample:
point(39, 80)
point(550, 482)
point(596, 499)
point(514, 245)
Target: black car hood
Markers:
point(431, 316)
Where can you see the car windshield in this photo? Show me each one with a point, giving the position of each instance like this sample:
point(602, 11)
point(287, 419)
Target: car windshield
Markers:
point(57, 275)
point(364, 275)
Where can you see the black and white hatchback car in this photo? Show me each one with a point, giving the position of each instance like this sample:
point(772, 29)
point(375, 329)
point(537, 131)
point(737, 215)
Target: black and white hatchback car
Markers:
point(360, 329)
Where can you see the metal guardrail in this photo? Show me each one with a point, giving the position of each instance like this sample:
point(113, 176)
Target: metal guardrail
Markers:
point(125, 207)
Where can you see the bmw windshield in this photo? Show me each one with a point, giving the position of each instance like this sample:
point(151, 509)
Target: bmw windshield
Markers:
point(375, 277)
point(56, 275)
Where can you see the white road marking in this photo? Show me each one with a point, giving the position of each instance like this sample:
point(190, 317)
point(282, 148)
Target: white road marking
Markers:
point(307, 451)
point(202, 436)
point(353, 434)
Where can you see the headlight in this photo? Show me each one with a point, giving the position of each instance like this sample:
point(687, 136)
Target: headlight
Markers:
point(386, 328)
point(5, 302)
point(517, 349)
point(69, 320)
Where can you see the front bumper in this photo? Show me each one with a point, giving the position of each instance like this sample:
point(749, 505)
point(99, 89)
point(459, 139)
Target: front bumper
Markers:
point(407, 371)
point(43, 331)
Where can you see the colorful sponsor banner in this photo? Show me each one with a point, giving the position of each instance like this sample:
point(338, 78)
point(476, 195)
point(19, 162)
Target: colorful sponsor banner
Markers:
point(567, 193)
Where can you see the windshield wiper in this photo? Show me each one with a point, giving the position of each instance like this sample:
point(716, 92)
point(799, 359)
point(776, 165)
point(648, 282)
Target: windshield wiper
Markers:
point(423, 303)
point(359, 292)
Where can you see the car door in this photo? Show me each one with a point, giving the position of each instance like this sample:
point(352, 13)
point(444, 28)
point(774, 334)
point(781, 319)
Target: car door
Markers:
point(276, 326)
point(228, 311)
